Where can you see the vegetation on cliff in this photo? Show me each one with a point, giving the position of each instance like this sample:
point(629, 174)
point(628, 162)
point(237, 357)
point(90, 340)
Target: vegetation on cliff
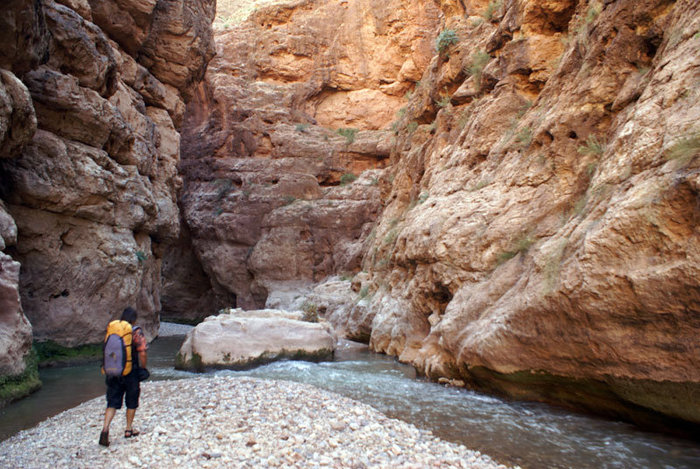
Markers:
point(18, 386)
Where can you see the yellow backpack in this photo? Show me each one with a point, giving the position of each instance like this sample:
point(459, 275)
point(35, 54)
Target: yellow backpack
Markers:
point(116, 357)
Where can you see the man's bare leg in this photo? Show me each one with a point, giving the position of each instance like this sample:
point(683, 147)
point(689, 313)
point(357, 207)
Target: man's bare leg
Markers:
point(104, 436)
point(130, 418)
point(109, 415)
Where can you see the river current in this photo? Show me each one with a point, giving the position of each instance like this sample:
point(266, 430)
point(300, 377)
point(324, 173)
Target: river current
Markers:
point(529, 434)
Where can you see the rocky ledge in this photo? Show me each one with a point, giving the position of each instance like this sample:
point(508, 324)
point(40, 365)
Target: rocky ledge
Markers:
point(236, 422)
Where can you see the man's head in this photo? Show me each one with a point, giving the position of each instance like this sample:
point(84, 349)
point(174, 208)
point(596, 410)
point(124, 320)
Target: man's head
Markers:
point(129, 315)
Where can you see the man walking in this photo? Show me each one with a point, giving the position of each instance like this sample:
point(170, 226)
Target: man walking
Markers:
point(125, 386)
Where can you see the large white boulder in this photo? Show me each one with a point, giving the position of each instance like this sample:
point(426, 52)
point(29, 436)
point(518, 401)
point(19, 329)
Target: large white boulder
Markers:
point(233, 341)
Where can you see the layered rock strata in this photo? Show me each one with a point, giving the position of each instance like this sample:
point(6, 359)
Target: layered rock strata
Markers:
point(540, 236)
point(92, 94)
point(284, 143)
point(539, 203)
point(17, 125)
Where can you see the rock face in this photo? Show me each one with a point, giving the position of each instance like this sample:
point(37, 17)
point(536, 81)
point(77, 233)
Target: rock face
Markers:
point(540, 236)
point(187, 293)
point(245, 339)
point(538, 229)
point(15, 330)
point(294, 107)
point(91, 98)
point(17, 126)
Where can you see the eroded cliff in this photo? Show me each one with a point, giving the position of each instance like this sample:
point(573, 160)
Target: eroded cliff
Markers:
point(553, 249)
point(91, 99)
point(517, 181)
point(538, 227)
point(293, 109)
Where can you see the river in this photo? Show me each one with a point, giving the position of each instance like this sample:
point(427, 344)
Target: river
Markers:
point(530, 434)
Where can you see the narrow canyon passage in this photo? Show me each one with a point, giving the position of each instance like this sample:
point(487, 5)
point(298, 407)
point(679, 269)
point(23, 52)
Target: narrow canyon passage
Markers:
point(502, 195)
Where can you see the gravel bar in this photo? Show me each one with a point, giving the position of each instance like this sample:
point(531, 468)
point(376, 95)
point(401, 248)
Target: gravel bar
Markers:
point(169, 329)
point(236, 422)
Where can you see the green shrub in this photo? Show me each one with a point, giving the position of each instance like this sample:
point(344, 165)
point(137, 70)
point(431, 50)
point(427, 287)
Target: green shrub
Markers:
point(348, 133)
point(684, 149)
point(423, 197)
point(310, 312)
point(18, 386)
point(590, 168)
point(476, 66)
point(49, 353)
point(592, 147)
point(364, 291)
point(391, 236)
point(580, 204)
point(412, 126)
point(553, 266)
point(302, 127)
point(592, 13)
point(445, 39)
point(481, 184)
point(521, 245)
point(347, 178)
point(141, 256)
point(444, 101)
point(524, 108)
point(491, 9)
point(524, 137)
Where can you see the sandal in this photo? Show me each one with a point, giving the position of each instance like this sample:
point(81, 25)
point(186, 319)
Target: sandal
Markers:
point(104, 438)
point(131, 433)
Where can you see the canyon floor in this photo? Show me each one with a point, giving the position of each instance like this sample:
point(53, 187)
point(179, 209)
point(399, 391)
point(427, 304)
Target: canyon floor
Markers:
point(236, 422)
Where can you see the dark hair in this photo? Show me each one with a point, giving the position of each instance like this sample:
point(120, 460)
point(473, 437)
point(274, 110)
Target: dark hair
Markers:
point(129, 315)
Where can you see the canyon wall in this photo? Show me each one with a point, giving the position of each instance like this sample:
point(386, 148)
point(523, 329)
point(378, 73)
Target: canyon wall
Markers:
point(92, 94)
point(286, 139)
point(540, 236)
point(536, 195)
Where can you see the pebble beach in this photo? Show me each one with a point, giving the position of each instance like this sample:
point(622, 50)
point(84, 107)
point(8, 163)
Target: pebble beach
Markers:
point(236, 422)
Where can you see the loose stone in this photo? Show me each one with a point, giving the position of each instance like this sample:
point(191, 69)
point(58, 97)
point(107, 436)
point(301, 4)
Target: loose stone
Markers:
point(254, 423)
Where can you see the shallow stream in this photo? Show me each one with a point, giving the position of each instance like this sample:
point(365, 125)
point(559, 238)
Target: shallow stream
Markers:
point(532, 435)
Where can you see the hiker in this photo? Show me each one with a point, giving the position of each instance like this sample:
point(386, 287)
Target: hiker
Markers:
point(123, 378)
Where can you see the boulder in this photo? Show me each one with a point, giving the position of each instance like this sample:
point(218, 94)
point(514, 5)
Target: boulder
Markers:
point(15, 330)
point(239, 341)
point(17, 116)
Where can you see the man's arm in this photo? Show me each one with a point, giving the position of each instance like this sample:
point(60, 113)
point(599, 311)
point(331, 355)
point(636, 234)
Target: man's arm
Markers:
point(141, 346)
